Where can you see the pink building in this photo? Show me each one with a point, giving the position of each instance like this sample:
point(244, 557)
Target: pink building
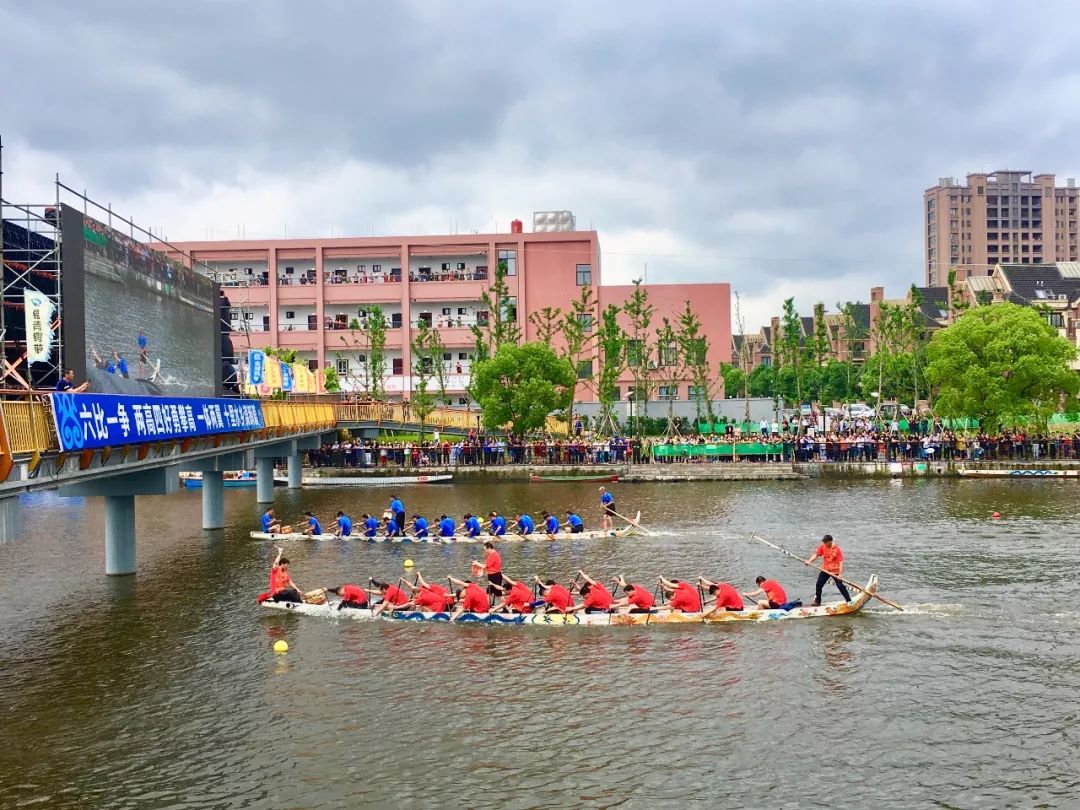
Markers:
point(304, 293)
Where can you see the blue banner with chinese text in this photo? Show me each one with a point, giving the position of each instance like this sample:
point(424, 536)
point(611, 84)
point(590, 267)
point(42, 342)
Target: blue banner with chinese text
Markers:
point(91, 421)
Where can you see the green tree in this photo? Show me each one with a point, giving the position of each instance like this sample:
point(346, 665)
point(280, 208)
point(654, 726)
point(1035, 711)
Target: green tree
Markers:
point(735, 381)
point(819, 346)
point(330, 380)
point(790, 354)
point(694, 347)
point(762, 382)
point(579, 337)
point(367, 337)
point(957, 302)
point(520, 385)
point(669, 368)
point(611, 346)
point(546, 322)
point(1001, 364)
point(640, 313)
point(500, 325)
point(425, 360)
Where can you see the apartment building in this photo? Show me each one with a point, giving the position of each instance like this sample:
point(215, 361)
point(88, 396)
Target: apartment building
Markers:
point(309, 294)
point(1005, 216)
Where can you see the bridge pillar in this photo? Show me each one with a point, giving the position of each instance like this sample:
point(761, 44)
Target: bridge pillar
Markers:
point(264, 484)
point(213, 499)
point(10, 519)
point(119, 534)
point(295, 471)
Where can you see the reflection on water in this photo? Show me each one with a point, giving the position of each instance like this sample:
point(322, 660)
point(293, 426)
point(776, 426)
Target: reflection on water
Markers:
point(163, 690)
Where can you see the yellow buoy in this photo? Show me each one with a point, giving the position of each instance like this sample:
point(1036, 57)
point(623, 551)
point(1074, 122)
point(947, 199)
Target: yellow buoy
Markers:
point(281, 646)
point(408, 563)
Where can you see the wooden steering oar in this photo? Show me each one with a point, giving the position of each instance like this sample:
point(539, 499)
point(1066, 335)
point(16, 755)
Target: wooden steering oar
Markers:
point(635, 524)
point(754, 536)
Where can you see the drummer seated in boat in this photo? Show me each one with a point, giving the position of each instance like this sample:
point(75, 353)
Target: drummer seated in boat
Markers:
point(269, 523)
point(282, 587)
point(516, 597)
point(551, 524)
point(574, 524)
point(391, 597)
point(682, 596)
point(637, 598)
point(724, 597)
point(775, 596)
point(470, 598)
point(352, 596)
point(596, 598)
point(554, 597)
point(313, 526)
point(428, 597)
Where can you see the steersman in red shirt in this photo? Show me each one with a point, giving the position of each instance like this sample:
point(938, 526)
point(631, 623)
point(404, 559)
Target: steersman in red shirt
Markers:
point(682, 596)
point(725, 596)
point(471, 598)
point(597, 598)
point(637, 598)
point(832, 567)
point(775, 597)
point(352, 596)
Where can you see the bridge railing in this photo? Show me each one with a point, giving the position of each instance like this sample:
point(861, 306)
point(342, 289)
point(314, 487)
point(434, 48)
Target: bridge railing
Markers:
point(28, 426)
point(396, 414)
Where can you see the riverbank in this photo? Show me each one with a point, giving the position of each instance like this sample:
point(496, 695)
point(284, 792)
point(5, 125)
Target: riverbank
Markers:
point(717, 471)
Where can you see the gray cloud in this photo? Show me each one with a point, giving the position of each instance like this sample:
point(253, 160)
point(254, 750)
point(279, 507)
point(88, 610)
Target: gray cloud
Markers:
point(769, 144)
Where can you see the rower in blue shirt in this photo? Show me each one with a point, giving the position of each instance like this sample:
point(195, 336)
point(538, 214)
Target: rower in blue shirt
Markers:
point(371, 525)
point(313, 526)
point(496, 524)
point(525, 525)
point(269, 523)
point(397, 509)
point(391, 528)
point(420, 526)
point(344, 525)
point(551, 523)
point(575, 524)
point(446, 526)
point(472, 525)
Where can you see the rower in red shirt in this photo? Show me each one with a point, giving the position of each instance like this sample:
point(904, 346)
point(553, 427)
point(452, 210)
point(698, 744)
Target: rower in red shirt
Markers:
point(429, 596)
point(832, 567)
point(637, 599)
point(392, 597)
point(556, 597)
point(517, 598)
point(597, 598)
point(471, 598)
point(682, 596)
point(775, 597)
point(352, 596)
point(725, 596)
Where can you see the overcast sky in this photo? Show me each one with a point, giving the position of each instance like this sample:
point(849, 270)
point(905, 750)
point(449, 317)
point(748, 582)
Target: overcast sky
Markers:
point(783, 147)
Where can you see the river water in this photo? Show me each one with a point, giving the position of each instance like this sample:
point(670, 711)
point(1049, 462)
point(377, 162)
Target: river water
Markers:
point(161, 690)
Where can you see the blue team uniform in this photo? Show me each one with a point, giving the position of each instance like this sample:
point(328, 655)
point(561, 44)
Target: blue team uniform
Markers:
point(397, 507)
point(123, 366)
point(472, 527)
point(498, 525)
point(371, 527)
point(552, 524)
point(314, 524)
point(525, 525)
point(446, 527)
point(344, 524)
point(576, 523)
point(607, 499)
point(420, 526)
point(392, 529)
point(266, 521)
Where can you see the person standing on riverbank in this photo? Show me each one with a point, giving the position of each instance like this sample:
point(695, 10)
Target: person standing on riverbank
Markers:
point(607, 504)
point(832, 563)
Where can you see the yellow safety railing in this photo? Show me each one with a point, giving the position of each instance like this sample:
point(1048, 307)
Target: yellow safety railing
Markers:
point(28, 425)
point(395, 413)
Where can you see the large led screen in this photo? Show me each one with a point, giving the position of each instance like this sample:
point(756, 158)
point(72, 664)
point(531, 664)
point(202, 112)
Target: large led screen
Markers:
point(135, 321)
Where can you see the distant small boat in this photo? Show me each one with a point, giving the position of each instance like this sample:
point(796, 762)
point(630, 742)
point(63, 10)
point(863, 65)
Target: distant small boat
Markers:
point(1017, 472)
point(374, 480)
point(232, 479)
point(606, 478)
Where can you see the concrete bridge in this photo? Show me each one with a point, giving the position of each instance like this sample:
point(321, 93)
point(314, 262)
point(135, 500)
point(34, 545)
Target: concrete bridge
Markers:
point(34, 455)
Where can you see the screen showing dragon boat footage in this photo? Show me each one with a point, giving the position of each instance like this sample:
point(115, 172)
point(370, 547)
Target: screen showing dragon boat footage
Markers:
point(134, 320)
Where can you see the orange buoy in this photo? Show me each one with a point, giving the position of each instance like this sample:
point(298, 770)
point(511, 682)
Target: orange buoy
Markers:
point(996, 516)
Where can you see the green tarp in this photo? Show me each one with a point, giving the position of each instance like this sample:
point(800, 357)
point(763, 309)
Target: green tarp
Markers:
point(715, 450)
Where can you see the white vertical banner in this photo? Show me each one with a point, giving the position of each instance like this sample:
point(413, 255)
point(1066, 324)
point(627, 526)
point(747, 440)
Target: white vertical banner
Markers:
point(39, 314)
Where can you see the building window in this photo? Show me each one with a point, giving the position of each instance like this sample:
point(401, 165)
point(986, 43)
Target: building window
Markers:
point(343, 365)
point(667, 354)
point(397, 365)
point(586, 321)
point(510, 258)
point(615, 393)
point(584, 369)
point(584, 275)
point(461, 265)
point(633, 353)
point(666, 392)
point(446, 310)
point(693, 392)
point(361, 358)
point(462, 401)
point(462, 355)
point(447, 357)
point(510, 311)
point(462, 311)
point(395, 320)
point(312, 365)
point(446, 267)
point(289, 314)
